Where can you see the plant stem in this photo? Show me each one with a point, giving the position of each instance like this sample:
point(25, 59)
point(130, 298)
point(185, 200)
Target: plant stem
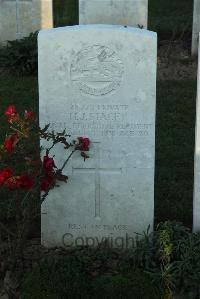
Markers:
point(16, 130)
point(49, 149)
point(61, 169)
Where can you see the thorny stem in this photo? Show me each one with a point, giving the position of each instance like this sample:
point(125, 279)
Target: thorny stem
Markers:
point(48, 150)
point(65, 163)
point(43, 197)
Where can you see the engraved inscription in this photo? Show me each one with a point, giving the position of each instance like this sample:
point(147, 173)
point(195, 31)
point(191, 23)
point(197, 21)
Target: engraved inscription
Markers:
point(102, 121)
point(105, 227)
point(96, 70)
point(95, 129)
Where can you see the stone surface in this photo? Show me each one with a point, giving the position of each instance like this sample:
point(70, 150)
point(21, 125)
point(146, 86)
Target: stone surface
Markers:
point(196, 26)
point(18, 18)
point(115, 12)
point(99, 81)
point(196, 202)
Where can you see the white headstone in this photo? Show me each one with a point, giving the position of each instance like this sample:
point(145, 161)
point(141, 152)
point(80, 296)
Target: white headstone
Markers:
point(115, 12)
point(18, 18)
point(196, 202)
point(99, 81)
point(196, 27)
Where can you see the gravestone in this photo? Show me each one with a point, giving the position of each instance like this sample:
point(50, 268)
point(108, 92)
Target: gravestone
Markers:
point(196, 201)
point(18, 18)
point(115, 12)
point(99, 81)
point(196, 26)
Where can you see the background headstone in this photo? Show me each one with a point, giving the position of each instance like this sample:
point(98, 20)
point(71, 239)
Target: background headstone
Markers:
point(196, 26)
point(196, 202)
point(99, 81)
point(18, 18)
point(115, 12)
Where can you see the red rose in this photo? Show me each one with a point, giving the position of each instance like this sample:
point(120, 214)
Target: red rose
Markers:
point(48, 163)
point(29, 115)
point(44, 185)
point(9, 143)
point(26, 182)
point(47, 183)
point(13, 183)
point(17, 182)
point(5, 174)
point(11, 110)
point(84, 143)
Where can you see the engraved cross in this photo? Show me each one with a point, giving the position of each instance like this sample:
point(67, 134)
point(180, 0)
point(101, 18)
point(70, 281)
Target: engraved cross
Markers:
point(97, 170)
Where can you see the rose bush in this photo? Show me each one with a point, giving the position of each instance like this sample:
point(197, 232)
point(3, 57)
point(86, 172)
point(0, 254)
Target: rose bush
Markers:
point(24, 175)
point(25, 127)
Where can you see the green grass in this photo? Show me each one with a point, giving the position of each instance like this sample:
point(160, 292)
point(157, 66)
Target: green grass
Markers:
point(65, 12)
point(20, 91)
point(174, 140)
point(175, 129)
point(170, 16)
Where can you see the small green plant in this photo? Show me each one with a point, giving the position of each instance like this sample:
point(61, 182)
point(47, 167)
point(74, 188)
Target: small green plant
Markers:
point(168, 255)
point(187, 265)
point(166, 249)
point(20, 56)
